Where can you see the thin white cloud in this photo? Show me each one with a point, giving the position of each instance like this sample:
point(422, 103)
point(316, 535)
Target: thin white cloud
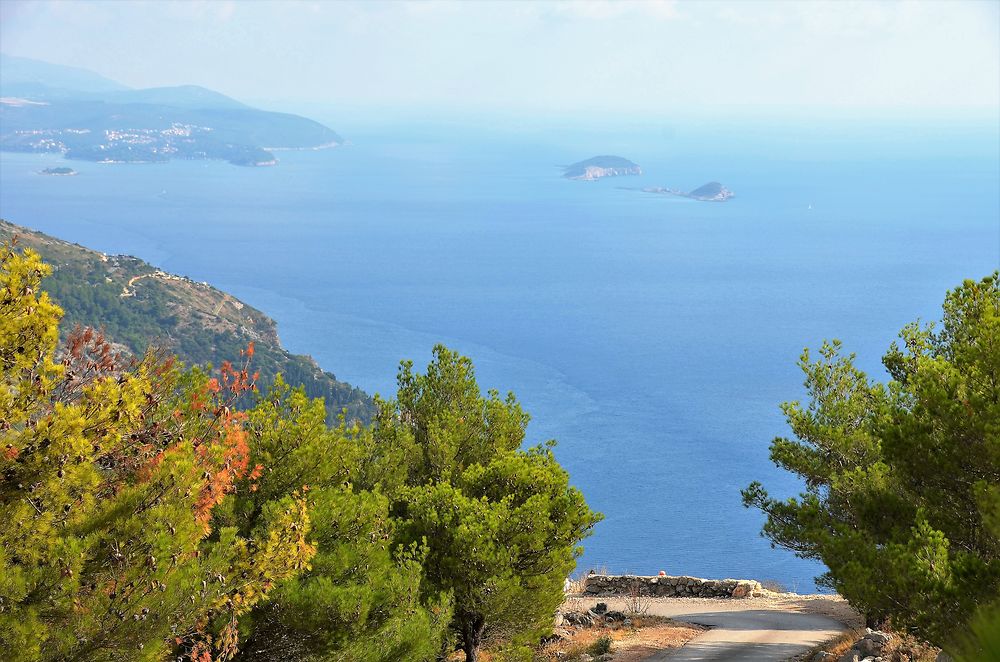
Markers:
point(610, 9)
point(651, 56)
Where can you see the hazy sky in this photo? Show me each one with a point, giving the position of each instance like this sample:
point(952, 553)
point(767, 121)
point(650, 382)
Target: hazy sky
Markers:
point(653, 56)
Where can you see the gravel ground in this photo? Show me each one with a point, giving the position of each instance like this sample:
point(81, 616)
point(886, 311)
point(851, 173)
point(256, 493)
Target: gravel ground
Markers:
point(773, 626)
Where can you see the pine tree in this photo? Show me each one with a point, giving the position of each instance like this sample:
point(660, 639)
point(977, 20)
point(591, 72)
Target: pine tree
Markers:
point(111, 469)
point(501, 525)
point(902, 498)
point(360, 600)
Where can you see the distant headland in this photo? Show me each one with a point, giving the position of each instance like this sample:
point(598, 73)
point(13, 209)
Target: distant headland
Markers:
point(49, 108)
point(601, 166)
point(58, 172)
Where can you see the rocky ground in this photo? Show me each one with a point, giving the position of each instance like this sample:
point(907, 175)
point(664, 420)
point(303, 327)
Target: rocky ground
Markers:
point(865, 645)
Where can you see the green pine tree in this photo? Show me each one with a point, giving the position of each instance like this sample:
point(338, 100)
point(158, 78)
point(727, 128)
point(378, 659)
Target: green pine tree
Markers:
point(501, 525)
point(361, 599)
point(902, 498)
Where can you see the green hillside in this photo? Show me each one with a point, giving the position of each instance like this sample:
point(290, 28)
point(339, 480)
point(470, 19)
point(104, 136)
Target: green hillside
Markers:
point(139, 306)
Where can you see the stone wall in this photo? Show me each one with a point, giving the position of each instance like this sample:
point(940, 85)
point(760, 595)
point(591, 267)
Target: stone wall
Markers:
point(610, 585)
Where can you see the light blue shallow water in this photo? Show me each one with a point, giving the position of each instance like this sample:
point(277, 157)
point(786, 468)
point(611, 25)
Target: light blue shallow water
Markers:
point(653, 337)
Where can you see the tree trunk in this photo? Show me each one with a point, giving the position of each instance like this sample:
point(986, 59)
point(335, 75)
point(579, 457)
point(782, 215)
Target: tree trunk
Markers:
point(875, 621)
point(472, 636)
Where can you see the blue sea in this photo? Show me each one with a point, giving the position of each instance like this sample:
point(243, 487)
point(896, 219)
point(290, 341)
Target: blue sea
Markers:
point(653, 337)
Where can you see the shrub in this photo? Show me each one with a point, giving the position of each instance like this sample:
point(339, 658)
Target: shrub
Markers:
point(600, 646)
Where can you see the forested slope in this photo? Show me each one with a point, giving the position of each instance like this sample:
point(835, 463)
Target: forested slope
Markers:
point(138, 305)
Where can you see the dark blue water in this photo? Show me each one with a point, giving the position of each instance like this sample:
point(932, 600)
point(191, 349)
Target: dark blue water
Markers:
point(653, 337)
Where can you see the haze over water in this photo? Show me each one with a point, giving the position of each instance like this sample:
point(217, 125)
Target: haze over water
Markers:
point(652, 336)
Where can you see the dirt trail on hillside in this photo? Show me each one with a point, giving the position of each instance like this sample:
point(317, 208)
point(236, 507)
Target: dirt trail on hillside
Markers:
point(777, 626)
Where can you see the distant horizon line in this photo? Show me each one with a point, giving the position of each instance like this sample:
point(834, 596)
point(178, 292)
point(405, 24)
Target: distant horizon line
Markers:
point(761, 114)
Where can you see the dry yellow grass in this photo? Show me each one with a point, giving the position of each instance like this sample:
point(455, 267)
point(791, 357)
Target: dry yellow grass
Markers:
point(645, 636)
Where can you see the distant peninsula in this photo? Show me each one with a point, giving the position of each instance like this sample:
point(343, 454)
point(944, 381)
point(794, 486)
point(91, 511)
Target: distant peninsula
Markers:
point(58, 172)
point(710, 192)
point(601, 166)
point(109, 123)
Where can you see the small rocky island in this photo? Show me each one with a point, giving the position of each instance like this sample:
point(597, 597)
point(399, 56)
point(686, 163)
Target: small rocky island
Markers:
point(58, 172)
point(711, 192)
point(601, 166)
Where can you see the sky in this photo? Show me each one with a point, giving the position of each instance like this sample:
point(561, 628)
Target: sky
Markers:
point(544, 57)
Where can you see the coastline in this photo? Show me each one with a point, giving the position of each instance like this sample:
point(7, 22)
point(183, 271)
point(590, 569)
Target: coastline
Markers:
point(722, 196)
point(315, 148)
point(271, 162)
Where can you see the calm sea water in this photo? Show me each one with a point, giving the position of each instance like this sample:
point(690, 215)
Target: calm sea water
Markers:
point(653, 337)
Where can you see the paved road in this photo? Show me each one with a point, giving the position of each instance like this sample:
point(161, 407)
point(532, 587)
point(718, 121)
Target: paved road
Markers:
point(743, 631)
